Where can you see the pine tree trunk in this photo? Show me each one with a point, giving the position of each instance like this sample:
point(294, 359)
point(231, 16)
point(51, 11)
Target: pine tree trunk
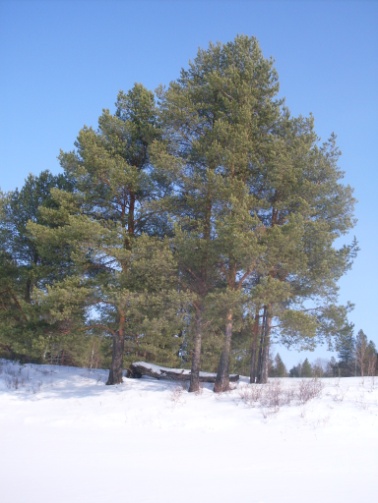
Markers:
point(116, 367)
point(262, 372)
point(194, 385)
point(265, 362)
point(254, 348)
point(222, 382)
point(260, 358)
point(197, 347)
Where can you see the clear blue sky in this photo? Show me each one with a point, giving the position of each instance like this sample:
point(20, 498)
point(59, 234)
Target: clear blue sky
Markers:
point(63, 61)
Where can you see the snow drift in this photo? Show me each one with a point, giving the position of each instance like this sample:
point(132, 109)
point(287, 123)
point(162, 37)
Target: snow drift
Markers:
point(68, 438)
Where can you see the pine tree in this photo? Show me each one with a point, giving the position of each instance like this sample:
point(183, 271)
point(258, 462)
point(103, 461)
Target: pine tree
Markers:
point(252, 201)
point(296, 371)
point(305, 216)
point(366, 355)
point(191, 208)
point(306, 369)
point(25, 330)
point(272, 200)
point(371, 359)
point(278, 369)
point(124, 274)
point(346, 347)
point(212, 114)
point(332, 369)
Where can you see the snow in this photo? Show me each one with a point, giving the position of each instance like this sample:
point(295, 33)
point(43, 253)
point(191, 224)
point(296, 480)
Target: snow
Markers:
point(164, 371)
point(67, 438)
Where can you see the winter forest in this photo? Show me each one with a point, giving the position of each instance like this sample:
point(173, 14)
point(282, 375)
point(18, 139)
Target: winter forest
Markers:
point(193, 228)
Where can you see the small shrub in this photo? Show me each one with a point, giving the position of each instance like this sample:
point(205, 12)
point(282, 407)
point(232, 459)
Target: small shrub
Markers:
point(251, 393)
point(177, 392)
point(309, 389)
point(272, 396)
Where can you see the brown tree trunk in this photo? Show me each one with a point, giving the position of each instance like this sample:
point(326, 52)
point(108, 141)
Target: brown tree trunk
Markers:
point(194, 385)
point(262, 372)
point(116, 367)
point(222, 382)
point(265, 362)
point(254, 348)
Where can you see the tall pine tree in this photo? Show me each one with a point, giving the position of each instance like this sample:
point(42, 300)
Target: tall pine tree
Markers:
point(125, 275)
point(215, 117)
point(272, 200)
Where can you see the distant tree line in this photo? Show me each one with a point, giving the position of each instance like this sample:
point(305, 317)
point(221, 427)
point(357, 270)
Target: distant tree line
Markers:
point(357, 356)
point(192, 228)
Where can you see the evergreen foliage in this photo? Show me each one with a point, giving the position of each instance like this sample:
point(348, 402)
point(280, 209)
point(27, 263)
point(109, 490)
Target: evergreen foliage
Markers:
point(357, 356)
point(306, 369)
point(302, 370)
point(347, 356)
point(277, 367)
point(191, 231)
point(25, 329)
point(269, 198)
point(124, 274)
point(366, 355)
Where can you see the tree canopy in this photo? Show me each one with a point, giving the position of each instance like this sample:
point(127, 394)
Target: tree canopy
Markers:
point(192, 226)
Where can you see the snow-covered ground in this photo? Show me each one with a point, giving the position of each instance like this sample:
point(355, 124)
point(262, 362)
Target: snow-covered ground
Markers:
point(65, 437)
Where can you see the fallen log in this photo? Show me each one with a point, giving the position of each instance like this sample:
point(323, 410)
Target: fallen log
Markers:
point(139, 369)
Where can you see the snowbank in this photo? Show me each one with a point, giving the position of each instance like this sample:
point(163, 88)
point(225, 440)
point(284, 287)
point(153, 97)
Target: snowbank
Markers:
point(68, 438)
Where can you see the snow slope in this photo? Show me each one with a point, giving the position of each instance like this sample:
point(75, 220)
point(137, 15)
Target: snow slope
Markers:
point(65, 437)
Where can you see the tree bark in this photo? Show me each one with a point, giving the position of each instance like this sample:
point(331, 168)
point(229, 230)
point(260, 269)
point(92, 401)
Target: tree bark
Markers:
point(254, 347)
point(116, 367)
point(262, 372)
point(194, 385)
point(222, 382)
